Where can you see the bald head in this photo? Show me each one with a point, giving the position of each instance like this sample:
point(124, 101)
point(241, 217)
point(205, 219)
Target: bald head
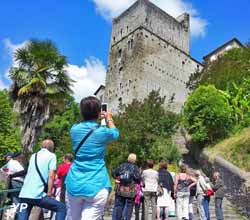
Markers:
point(48, 144)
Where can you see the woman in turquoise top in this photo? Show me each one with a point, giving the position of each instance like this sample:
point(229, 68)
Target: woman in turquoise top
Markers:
point(88, 182)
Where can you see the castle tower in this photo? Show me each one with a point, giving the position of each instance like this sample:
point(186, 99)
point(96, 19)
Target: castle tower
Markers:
point(149, 50)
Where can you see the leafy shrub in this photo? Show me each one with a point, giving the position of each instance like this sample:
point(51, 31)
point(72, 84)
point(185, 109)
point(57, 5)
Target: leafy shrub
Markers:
point(140, 125)
point(207, 115)
point(164, 149)
point(9, 134)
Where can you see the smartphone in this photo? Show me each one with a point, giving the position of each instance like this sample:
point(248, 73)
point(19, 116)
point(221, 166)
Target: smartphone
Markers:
point(104, 107)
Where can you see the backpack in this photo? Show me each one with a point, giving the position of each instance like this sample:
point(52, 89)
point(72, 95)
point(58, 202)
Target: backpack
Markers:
point(126, 177)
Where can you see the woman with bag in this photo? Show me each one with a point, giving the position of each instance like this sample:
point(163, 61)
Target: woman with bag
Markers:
point(166, 186)
point(128, 175)
point(202, 191)
point(87, 181)
point(206, 200)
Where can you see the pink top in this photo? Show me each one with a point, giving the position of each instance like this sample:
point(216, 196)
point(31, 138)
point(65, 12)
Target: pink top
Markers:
point(138, 194)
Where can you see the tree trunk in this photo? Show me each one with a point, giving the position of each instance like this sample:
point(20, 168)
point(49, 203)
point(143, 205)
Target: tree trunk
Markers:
point(33, 113)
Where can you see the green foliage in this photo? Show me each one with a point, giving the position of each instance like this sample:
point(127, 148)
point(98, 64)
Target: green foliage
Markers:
point(9, 134)
point(163, 148)
point(58, 127)
point(207, 115)
point(140, 125)
point(232, 67)
point(40, 86)
point(235, 149)
point(239, 99)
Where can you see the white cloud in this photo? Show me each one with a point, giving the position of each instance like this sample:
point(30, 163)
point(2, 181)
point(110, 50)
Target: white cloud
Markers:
point(11, 48)
point(111, 8)
point(3, 85)
point(87, 77)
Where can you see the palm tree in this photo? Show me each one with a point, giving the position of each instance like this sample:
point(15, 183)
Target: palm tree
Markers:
point(40, 84)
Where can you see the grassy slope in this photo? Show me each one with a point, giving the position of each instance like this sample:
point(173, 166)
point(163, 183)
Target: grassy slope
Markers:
point(235, 149)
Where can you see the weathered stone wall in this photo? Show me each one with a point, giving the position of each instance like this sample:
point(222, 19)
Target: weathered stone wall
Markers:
point(148, 63)
point(145, 14)
point(237, 182)
point(149, 50)
point(167, 68)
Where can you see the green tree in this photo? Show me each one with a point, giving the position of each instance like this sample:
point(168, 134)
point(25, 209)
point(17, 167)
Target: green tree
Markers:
point(58, 127)
point(239, 99)
point(207, 115)
point(9, 134)
point(40, 84)
point(140, 125)
point(232, 67)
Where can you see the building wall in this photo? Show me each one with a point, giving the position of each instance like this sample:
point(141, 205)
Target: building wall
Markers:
point(149, 50)
point(151, 63)
point(174, 30)
point(216, 55)
point(165, 68)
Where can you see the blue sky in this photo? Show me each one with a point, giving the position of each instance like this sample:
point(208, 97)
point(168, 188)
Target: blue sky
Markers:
point(81, 30)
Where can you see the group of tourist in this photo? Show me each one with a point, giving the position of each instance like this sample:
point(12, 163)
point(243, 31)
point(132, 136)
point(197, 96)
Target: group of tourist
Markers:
point(83, 184)
point(156, 189)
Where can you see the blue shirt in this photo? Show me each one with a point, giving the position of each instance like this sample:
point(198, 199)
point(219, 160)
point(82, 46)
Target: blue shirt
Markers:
point(33, 186)
point(88, 174)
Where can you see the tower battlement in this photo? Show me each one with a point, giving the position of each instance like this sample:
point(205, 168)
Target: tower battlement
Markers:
point(145, 14)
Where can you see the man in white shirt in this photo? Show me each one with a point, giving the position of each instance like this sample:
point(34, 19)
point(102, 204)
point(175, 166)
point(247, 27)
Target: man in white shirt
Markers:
point(150, 179)
point(13, 167)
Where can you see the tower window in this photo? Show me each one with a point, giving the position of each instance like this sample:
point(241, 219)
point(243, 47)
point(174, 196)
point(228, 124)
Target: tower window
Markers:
point(130, 44)
point(121, 31)
point(113, 38)
point(120, 53)
point(127, 28)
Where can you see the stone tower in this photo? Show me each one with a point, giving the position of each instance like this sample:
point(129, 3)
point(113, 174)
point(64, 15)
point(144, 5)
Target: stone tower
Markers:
point(149, 50)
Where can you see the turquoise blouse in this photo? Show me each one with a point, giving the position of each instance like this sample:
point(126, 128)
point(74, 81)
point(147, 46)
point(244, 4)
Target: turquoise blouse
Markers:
point(88, 173)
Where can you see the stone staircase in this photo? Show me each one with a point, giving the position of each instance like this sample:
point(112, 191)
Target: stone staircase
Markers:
point(230, 212)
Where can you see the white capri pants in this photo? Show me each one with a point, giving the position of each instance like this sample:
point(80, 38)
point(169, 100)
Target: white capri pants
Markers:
point(85, 208)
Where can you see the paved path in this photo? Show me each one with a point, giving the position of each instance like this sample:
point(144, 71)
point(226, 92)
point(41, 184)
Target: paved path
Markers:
point(230, 212)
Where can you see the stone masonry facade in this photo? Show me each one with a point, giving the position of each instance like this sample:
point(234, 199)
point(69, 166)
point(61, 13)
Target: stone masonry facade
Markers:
point(149, 50)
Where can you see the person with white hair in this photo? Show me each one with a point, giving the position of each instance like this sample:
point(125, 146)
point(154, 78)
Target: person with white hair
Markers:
point(127, 175)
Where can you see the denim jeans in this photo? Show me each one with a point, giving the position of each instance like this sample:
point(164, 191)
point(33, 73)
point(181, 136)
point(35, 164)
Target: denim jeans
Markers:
point(206, 202)
point(126, 204)
point(137, 210)
point(201, 211)
point(47, 203)
point(115, 210)
point(218, 209)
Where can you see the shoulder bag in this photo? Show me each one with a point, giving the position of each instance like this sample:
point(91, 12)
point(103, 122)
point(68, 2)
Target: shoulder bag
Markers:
point(45, 184)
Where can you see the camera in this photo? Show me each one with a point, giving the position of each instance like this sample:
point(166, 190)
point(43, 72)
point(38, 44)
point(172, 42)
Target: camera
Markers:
point(104, 107)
